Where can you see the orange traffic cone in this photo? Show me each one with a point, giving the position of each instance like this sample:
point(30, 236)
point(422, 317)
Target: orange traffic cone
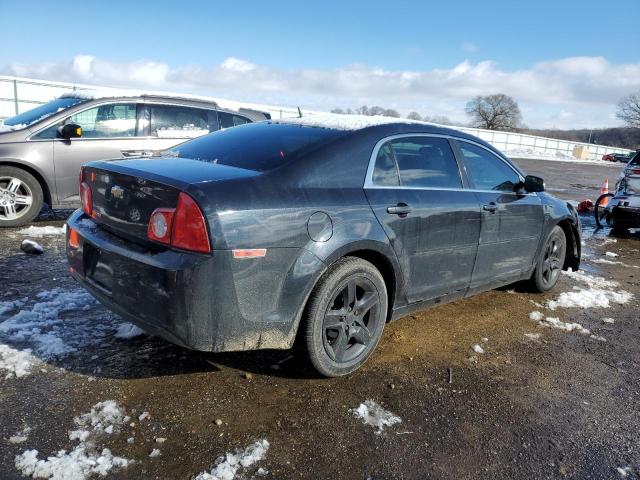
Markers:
point(603, 190)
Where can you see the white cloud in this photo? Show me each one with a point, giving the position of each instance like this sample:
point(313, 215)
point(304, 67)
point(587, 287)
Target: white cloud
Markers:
point(469, 47)
point(566, 93)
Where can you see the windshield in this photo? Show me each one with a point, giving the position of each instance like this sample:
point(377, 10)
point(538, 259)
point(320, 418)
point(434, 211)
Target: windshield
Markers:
point(29, 117)
point(259, 146)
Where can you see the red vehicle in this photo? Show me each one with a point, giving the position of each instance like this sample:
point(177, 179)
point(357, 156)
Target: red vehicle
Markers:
point(609, 157)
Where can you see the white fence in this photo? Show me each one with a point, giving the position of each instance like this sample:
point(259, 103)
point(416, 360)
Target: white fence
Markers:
point(20, 94)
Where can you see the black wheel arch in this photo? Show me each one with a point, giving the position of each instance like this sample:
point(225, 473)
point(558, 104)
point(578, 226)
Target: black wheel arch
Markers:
point(574, 245)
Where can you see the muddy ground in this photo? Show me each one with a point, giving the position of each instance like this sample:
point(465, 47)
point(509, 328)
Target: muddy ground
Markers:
point(562, 405)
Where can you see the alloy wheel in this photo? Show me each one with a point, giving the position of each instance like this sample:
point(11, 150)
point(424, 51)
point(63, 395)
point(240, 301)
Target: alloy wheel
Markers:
point(16, 198)
point(351, 320)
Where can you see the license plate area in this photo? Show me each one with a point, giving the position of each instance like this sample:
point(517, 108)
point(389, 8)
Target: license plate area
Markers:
point(96, 271)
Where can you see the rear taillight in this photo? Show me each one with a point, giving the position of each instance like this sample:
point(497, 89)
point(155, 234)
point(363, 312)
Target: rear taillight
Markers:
point(159, 228)
point(183, 227)
point(86, 198)
point(635, 171)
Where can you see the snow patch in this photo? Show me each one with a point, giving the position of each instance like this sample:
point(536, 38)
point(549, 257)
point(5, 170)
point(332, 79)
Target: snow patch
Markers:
point(17, 363)
point(533, 336)
point(227, 466)
point(40, 232)
point(611, 254)
point(345, 122)
point(83, 460)
point(536, 316)
point(590, 280)
point(589, 298)
point(478, 349)
point(373, 414)
point(32, 247)
point(608, 320)
point(21, 436)
point(155, 453)
point(128, 330)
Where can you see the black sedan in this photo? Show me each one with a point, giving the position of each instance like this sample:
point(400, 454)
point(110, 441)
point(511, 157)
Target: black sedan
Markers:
point(315, 229)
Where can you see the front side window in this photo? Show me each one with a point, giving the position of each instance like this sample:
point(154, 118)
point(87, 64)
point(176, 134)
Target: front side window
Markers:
point(421, 162)
point(105, 121)
point(486, 170)
point(169, 121)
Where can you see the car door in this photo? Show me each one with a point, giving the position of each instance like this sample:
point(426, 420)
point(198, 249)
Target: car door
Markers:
point(512, 220)
point(416, 191)
point(108, 131)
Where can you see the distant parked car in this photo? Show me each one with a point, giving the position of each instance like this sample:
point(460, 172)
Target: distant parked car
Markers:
point(623, 157)
point(608, 157)
point(316, 229)
point(41, 150)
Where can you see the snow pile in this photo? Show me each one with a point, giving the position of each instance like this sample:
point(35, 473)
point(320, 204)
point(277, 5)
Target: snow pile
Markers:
point(103, 418)
point(593, 297)
point(611, 254)
point(478, 349)
point(373, 414)
point(589, 298)
point(155, 453)
point(128, 330)
point(554, 322)
point(84, 460)
point(8, 306)
point(227, 466)
point(608, 320)
point(39, 232)
point(57, 324)
point(346, 122)
point(16, 362)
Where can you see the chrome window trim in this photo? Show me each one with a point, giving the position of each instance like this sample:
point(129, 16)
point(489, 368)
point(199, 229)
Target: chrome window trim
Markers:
point(368, 182)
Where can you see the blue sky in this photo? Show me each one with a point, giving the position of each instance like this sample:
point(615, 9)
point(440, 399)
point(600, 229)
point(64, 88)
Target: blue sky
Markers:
point(286, 39)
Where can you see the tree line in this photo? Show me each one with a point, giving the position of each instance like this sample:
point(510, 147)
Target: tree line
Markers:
point(501, 112)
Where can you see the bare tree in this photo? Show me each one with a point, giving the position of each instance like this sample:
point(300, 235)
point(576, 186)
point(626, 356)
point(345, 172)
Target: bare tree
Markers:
point(337, 110)
point(414, 116)
point(629, 110)
point(494, 112)
point(439, 119)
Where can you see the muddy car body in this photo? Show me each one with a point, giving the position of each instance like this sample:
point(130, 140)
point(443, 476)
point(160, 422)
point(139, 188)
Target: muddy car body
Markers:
point(313, 221)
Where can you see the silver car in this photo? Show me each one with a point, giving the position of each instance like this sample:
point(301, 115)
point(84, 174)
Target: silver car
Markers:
point(41, 150)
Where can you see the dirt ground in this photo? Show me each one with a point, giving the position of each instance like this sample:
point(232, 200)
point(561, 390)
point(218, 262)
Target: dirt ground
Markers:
point(538, 403)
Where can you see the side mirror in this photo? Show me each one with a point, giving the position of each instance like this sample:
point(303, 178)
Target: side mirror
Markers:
point(70, 130)
point(533, 184)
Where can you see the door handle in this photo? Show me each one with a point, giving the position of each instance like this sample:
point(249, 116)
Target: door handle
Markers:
point(136, 153)
point(492, 207)
point(401, 209)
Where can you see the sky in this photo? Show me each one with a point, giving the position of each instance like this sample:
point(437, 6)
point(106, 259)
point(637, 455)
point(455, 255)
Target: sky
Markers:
point(567, 63)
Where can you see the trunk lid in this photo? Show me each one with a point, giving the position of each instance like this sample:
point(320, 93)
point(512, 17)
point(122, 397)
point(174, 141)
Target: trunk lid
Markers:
point(125, 193)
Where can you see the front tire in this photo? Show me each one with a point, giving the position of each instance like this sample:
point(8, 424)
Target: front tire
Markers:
point(345, 317)
point(20, 197)
point(551, 261)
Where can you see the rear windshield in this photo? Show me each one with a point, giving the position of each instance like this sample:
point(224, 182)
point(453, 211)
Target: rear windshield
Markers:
point(259, 146)
point(43, 111)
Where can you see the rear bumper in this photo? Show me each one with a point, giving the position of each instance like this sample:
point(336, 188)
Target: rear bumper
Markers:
point(202, 302)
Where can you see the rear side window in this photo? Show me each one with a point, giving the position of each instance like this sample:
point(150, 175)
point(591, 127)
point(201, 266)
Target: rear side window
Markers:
point(228, 120)
point(169, 121)
point(257, 146)
point(486, 170)
point(420, 162)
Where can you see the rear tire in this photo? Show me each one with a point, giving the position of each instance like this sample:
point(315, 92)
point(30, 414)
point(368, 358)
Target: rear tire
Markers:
point(551, 261)
point(345, 317)
point(20, 197)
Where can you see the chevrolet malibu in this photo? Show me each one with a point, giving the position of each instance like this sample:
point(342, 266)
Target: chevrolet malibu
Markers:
point(318, 230)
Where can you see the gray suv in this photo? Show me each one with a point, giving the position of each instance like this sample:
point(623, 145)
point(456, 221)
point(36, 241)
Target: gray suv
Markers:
point(41, 150)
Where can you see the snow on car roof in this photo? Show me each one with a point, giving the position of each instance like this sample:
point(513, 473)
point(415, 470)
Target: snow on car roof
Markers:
point(99, 93)
point(346, 122)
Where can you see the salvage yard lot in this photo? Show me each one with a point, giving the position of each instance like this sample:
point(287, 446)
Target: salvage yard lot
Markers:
point(481, 388)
